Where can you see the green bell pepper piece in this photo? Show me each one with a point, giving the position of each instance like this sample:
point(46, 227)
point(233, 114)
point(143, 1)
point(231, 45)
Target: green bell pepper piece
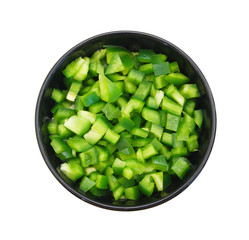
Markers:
point(127, 173)
point(86, 184)
point(121, 86)
point(116, 77)
point(156, 130)
point(165, 152)
point(103, 154)
point(58, 95)
point(189, 91)
point(148, 151)
point(89, 157)
point(145, 55)
point(140, 132)
point(88, 115)
point(125, 182)
point(127, 123)
point(157, 145)
point(182, 131)
point(83, 70)
point(96, 107)
point(111, 111)
point(158, 58)
point(132, 193)
point(172, 122)
point(102, 181)
point(159, 163)
point(118, 166)
point(134, 104)
point(58, 145)
point(78, 125)
point(190, 122)
point(73, 67)
point(67, 154)
point(160, 82)
point(140, 142)
point(189, 107)
point(173, 93)
point(171, 106)
point(90, 98)
point(98, 130)
point(111, 136)
point(192, 143)
point(158, 179)
point(151, 115)
point(111, 50)
point(108, 90)
point(198, 117)
point(177, 143)
point(72, 169)
point(124, 145)
point(119, 62)
point(135, 76)
point(151, 103)
point(113, 183)
point(161, 68)
point(136, 166)
point(179, 152)
point(174, 67)
point(146, 186)
point(78, 104)
point(139, 155)
point(163, 118)
point(130, 87)
point(63, 113)
point(89, 170)
point(146, 68)
point(143, 90)
point(177, 79)
point(52, 127)
point(102, 166)
point(181, 167)
point(98, 192)
point(167, 138)
point(118, 192)
point(159, 97)
point(99, 54)
point(78, 144)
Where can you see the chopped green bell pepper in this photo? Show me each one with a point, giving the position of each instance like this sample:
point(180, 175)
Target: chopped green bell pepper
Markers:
point(83, 70)
point(58, 95)
point(78, 125)
point(78, 144)
point(73, 67)
point(72, 169)
point(146, 186)
point(181, 167)
point(89, 157)
point(86, 184)
point(161, 68)
point(108, 90)
point(132, 193)
point(172, 122)
point(177, 79)
point(159, 163)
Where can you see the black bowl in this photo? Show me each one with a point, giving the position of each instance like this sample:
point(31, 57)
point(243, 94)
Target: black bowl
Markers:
point(132, 41)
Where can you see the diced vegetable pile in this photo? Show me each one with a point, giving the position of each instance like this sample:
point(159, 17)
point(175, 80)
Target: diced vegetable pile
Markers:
point(125, 124)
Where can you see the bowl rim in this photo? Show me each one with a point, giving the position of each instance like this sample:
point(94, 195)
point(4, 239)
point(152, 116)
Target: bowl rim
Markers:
point(163, 199)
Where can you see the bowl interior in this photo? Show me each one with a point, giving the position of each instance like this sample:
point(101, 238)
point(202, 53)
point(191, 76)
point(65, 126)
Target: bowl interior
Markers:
point(132, 41)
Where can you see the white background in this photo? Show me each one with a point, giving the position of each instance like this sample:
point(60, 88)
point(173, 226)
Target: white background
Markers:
point(35, 34)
